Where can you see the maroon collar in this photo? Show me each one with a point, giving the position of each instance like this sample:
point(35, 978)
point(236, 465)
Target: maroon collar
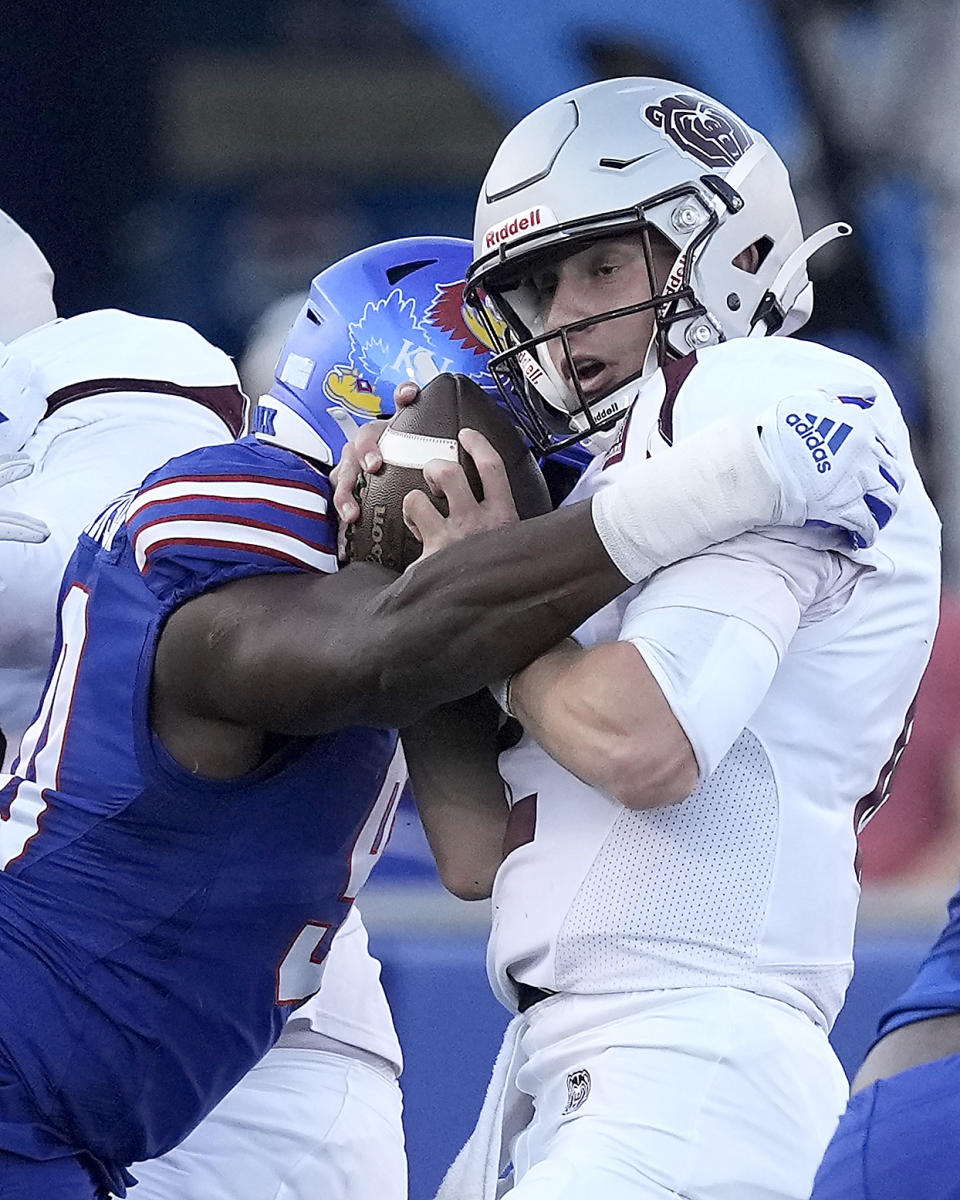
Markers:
point(227, 401)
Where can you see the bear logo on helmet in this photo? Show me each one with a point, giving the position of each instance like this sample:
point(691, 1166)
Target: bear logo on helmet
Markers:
point(697, 128)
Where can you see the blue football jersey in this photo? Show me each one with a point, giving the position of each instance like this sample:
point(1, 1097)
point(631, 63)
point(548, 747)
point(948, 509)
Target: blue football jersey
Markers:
point(156, 926)
point(935, 991)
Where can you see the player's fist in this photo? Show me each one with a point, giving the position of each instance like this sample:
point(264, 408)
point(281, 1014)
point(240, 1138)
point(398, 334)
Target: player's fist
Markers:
point(465, 514)
point(831, 463)
point(362, 453)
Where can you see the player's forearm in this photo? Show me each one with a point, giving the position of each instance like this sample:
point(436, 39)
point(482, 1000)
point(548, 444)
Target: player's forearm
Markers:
point(309, 654)
point(487, 606)
point(452, 758)
point(601, 714)
point(484, 608)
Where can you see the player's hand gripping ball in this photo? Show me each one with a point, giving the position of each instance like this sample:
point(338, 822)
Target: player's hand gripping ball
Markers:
point(425, 430)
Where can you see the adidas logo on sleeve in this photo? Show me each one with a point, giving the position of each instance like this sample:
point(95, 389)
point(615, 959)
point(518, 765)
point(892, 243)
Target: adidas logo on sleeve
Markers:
point(822, 436)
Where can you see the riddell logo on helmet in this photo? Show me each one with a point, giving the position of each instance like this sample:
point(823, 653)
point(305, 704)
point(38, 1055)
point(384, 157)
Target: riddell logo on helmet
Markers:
point(818, 438)
point(525, 222)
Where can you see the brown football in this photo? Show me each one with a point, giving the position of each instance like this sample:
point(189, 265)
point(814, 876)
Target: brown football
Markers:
point(428, 429)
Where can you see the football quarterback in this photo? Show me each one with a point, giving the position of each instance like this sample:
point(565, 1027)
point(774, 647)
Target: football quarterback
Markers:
point(673, 919)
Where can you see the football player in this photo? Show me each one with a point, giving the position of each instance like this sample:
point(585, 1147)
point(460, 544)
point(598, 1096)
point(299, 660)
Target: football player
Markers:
point(111, 396)
point(213, 766)
point(302, 1121)
point(129, 392)
point(673, 919)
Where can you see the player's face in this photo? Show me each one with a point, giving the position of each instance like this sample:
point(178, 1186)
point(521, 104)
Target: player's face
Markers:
point(608, 274)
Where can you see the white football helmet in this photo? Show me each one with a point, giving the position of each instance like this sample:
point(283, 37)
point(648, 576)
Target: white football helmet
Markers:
point(26, 282)
point(630, 157)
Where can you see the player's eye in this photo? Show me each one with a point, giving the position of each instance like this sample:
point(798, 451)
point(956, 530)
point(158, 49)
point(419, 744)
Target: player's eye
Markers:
point(608, 261)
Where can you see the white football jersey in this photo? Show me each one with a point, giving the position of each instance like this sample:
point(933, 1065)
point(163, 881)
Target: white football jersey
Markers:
point(118, 433)
point(88, 451)
point(111, 347)
point(351, 1005)
point(790, 661)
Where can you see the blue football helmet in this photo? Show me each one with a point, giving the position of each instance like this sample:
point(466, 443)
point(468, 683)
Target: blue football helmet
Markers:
point(384, 315)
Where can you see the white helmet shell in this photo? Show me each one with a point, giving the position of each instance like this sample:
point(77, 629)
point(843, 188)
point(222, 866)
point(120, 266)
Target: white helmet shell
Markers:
point(26, 282)
point(625, 152)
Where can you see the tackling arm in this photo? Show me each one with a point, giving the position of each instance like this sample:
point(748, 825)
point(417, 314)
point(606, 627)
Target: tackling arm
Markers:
point(306, 654)
point(452, 758)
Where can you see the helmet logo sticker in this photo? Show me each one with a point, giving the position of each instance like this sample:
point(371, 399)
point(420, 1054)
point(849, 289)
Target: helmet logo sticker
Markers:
point(450, 314)
point(518, 225)
point(697, 128)
point(390, 344)
point(297, 370)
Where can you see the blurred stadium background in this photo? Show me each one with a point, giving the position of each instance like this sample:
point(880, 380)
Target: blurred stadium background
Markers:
point(202, 160)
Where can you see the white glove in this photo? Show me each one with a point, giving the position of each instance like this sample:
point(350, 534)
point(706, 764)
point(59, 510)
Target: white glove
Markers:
point(17, 526)
point(22, 400)
point(726, 479)
point(833, 466)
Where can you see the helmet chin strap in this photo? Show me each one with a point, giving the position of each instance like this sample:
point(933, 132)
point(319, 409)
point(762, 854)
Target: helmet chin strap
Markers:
point(773, 299)
point(623, 397)
point(600, 443)
point(543, 374)
point(651, 360)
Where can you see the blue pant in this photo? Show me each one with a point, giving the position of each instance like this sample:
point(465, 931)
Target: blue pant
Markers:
point(897, 1140)
point(55, 1179)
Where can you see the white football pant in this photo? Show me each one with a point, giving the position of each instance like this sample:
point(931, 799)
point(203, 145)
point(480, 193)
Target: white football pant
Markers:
point(700, 1094)
point(302, 1125)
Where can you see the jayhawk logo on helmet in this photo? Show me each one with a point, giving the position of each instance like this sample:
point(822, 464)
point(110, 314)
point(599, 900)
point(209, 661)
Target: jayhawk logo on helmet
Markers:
point(388, 345)
point(699, 129)
point(455, 317)
point(391, 343)
point(360, 333)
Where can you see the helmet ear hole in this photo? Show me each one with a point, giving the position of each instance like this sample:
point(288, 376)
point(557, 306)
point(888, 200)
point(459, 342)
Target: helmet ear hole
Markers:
point(751, 258)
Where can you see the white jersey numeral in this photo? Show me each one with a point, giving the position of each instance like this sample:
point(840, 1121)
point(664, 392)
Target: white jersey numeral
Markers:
point(37, 766)
point(376, 829)
point(301, 971)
